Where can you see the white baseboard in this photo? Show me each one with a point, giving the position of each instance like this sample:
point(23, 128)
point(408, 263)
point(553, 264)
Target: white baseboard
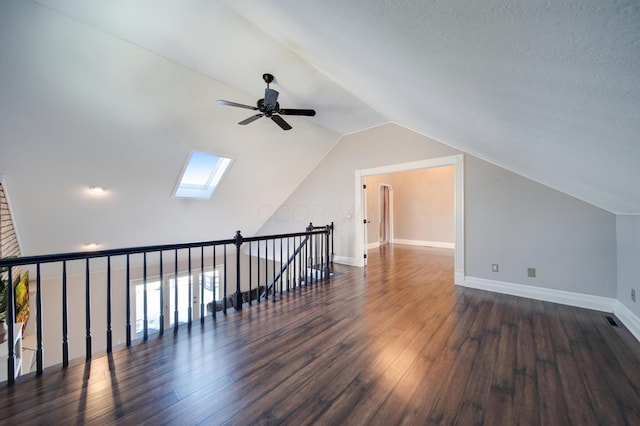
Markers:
point(344, 260)
point(458, 278)
point(598, 303)
point(439, 244)
point(373, 245)
point(628, 318)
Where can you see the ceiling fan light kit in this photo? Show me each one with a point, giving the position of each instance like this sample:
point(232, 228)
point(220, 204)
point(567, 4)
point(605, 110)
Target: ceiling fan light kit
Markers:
point(269, 107)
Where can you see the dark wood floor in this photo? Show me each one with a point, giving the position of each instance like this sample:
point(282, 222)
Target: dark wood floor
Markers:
point(395, 343)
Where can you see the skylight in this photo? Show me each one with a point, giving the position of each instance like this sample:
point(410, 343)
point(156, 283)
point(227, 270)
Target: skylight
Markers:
point(201, 175)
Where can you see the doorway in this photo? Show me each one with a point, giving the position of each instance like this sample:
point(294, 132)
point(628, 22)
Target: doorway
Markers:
point(457, 161)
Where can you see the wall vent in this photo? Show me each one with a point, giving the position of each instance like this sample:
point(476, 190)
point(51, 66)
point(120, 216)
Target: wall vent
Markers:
point(612, 321)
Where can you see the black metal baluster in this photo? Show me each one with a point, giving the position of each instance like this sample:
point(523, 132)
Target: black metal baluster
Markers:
point(316, 258)
point(224, 305)
point(214, 307)
point(311, 247)
point(189, 293)
point(332, 253)
point(281, 269)
point(295, 270)
point(11, 358)
point(238, 242)
point(161, 319)
point(109, 334)
point(175, 292)
point(306, 244)
point(145, 324)
point(258, 274)
point(65, 337)
point(266, 270)
point(250, 276)
point(128, 302)
point(321, 255)
point(298, 263)
point(39, 349)
point(288, 268)
point(274, 269)
point(327, 269)
point(87, 304)
point(201, 284)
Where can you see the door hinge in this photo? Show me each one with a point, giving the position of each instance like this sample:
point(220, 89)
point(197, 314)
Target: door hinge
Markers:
point(365, 221)
point(364, 186)
point(365, 255)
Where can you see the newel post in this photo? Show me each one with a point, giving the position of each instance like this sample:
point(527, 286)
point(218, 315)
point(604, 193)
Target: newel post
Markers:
point(238, 242)
point(310, 254)
point(327, 269)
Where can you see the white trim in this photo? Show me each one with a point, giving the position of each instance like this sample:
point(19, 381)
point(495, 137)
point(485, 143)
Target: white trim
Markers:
point(458, 228)
point(344, 260)
point(458, 278)
point(359, 214)
point(580, 300)
point(628, 318)
point(458, 166)
point(373, 245)
point(439, 244)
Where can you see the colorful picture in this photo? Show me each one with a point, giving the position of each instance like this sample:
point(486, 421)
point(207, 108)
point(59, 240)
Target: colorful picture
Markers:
point(22, 300)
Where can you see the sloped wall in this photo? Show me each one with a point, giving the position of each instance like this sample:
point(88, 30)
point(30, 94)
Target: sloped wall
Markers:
point(519, 224)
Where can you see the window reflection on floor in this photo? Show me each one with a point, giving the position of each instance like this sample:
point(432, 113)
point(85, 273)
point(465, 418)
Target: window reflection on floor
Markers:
point(211, 289)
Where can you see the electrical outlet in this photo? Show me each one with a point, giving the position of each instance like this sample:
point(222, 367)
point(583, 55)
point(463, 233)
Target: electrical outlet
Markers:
point(531, 272)
point(633, 294)
point(494, 267)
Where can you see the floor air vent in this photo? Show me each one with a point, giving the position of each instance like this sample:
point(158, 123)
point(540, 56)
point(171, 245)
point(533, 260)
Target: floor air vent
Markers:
point(611, 321)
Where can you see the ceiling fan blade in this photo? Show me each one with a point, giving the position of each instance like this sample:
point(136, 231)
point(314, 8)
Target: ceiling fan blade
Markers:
point(270, 98)
point(280, 122)
point(251, 119)
point(307, 112)
point(234, 104)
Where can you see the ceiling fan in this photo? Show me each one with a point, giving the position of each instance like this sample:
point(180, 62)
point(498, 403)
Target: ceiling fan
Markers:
point(269, 107)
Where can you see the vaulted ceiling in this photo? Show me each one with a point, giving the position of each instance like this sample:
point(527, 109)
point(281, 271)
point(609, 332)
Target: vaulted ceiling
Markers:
point(118, 93)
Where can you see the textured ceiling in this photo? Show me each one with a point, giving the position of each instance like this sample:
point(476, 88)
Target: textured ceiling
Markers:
point(547, 89)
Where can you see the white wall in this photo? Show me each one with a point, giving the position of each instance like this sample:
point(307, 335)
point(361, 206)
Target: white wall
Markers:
point(509, 220)
point(518, 224)
point(628, 232)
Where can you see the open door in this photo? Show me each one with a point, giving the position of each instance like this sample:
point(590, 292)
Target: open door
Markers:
point(385, 214)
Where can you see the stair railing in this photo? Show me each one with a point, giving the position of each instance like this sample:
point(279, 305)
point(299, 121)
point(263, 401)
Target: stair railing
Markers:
point(261, 270)
point(311, 270)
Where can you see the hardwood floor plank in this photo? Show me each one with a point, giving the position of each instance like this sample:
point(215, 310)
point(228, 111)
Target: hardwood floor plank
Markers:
point(579, 408)
point(526, 409)
point(505, 361)
point(448, 402)
point(553, 409)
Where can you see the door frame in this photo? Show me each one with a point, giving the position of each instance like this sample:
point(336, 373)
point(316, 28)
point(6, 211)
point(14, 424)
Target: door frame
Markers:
point(457, 161)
